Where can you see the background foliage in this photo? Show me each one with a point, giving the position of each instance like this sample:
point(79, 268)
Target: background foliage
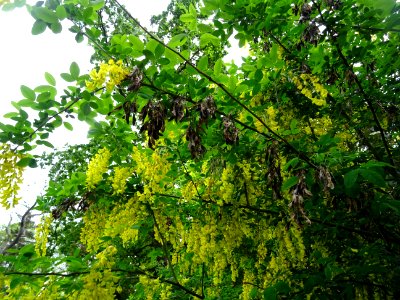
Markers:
point(276, 178)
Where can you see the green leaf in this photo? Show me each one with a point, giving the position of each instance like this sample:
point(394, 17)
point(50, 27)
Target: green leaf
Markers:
point(79, 37)
point(56, 27)
point(375, 163)
point(61, 12)
point(10, 115)
point(208, 38)
point(26, 103)
point(85, 108)
point(372, 177)
point(187, 18)
point(24, 162)
point(8, 7)
point(28, 93)
point(23, 114)
point(97, 4)
point(289, 183)
point(16, 281)
point(44, 14)
point(74, 70)
point(136, 43)
point(44, 143)
point(38, 27)
point(178, 40)
point(350, 178)
point(270, 293)
point(68, 126)
point(218, 67)
point(202, 64)
point(67, 77)
point(50, 78)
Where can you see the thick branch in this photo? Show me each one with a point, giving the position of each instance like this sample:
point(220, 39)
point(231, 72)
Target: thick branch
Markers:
point(20, 231)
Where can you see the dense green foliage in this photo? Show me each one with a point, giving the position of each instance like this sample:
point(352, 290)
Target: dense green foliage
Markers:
point(274, 178)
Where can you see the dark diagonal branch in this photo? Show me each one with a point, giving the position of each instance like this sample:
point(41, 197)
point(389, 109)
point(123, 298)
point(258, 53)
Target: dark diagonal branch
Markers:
point(22, 225)
point(358, 83)
point(220, 85)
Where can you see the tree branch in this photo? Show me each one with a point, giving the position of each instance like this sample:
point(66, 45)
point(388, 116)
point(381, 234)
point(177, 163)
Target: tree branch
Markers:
point(220, 85)
point(137, 272)
point(20, 231)
point(358, 83)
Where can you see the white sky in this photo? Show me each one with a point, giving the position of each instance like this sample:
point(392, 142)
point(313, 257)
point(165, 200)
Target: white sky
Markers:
point(25, 58)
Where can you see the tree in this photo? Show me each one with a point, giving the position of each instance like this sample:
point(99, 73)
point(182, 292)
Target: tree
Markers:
point(276, 178)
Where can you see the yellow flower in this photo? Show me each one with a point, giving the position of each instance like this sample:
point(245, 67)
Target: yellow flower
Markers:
point(41, 233)
point(310, 86)
point(121, 175)
point(10, 176)
point(110, 74)
point(97, 166)
point(2, 2)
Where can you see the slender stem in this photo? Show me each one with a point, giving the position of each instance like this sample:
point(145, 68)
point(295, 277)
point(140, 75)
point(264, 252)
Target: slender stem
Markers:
point(376, 29)
point(164, 244)
point(52, 117)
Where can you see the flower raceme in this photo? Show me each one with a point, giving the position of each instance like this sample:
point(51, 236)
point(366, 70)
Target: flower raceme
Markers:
point(97, 166)
point(10, 176)
point(41, 233)
point(121, 175)
point(110, 74)
point(309, 85)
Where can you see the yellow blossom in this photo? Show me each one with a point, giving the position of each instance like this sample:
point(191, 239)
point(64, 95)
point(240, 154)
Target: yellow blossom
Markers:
point(41, 234)
point(10, 176)
point(97, 166)
point(309, 86)
point(121, 175)
point(110, 74)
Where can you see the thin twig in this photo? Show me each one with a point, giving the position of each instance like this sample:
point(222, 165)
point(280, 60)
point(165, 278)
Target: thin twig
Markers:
point(164, 244)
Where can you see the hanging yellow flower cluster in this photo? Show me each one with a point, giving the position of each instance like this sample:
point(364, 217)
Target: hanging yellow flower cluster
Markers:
point(10, 176)
point(100, 282)
point(121, 175)
point(111, 73)
point(309, 85)
point(97, 166)
point(269, 118)
point(121, 220)
point(41, 233)
point(152, 170)
point(319, 126)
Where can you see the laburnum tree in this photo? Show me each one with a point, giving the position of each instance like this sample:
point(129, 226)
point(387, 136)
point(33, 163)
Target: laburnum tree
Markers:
point(274, 178)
